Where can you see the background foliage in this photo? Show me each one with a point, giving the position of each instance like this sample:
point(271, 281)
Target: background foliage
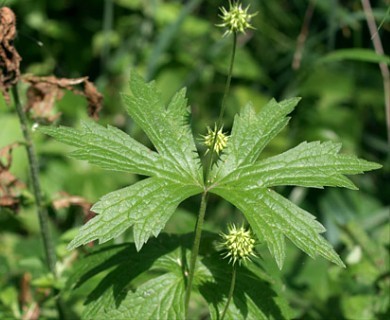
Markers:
point(177, 43)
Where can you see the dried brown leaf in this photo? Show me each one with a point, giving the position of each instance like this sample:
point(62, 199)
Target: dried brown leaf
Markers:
point(10, 186)
point(66, 200)
point(45, 91)
point(9, 57)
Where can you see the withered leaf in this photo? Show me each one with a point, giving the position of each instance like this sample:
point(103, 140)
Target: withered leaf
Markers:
point(66, 200)
point(45, 91)
point(9, 57)
point(10, 187)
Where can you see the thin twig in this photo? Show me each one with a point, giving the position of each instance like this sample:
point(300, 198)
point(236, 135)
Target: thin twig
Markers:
point(231, 291)
point(195, 249)
point(303, 35)
point(383, 66)
point(34, 176)
point(219, 125)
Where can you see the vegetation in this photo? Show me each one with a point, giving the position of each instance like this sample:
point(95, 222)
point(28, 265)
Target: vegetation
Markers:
point(192, 193)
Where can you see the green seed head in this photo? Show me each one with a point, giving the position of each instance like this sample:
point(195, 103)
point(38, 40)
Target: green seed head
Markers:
point(220, 142)
point(236, 19)
point(239, 244)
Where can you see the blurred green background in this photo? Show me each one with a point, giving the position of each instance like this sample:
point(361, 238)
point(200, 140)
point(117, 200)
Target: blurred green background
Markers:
point(177, 44)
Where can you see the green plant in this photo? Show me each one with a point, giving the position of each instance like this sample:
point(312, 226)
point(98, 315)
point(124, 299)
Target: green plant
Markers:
point(157, 281)
point(174, 173)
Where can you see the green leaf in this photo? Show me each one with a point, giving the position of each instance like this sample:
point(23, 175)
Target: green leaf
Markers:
point(241, 180)
point(150, 284)
point(272, 217)
point(311, 164)
point(365, 55)
point(109, 148)
point(251, 132)
point(167, 128)
point(175, 168)
point(146, 205)
point(121, 265)
point(159, 298)
point(254, 296)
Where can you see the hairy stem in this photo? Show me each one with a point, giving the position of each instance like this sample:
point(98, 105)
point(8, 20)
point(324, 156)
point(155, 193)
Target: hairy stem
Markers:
point(34, 176)
point(210, 158)
point(231, 290)
point(228, 81)
point(195, 248)
point(209, 163)
point(382, 66)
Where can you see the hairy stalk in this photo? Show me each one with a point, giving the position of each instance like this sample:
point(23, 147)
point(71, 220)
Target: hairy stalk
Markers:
point(231, 291)
point(223, 108)
point(34, 176)
point(301, 40)
point(41, 210)
point(203, 204)
point(382, 66)
point(228, 81)
point(195, 248)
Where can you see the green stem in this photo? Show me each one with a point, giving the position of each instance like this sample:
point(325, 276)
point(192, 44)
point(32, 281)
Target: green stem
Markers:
point(203, 204)
point(223, 108)
point(195, 248)
point(228, 81)
point(230, 296)
point(34, 176)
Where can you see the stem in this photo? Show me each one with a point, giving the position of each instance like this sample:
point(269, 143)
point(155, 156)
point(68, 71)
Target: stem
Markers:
point(227, 85)
point(230, 296)
point(34, 176)
point(195, 247)
point(296, 64)
point(382, 66)
point(203, 203)
point(223, 108)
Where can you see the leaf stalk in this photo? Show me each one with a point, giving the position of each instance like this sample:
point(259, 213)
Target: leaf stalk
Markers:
point(209, 163)
point(34, 176)
point(231, 291)
point(222, 111)
point(195, 248)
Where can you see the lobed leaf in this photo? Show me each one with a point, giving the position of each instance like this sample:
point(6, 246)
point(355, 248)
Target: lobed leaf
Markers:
point(254, 295)
point(146, 205)
point(311, 164)
point(272, 217)
point(251, 132)
point(167, 128)
point(114, 271)
point(109, 148)
point(121, 265)
point(158, 298)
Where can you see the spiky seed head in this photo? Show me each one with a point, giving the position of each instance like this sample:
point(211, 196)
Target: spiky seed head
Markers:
point(238, 243)
point(220, 142)
point(236, 19)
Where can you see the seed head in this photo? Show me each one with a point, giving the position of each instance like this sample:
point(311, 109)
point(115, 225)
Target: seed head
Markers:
point(238, 243)
point(236, 19)
point(220, 142)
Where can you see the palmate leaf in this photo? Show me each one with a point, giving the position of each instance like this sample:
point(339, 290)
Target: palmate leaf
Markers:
point(175, 169)
point(311, 164)
point(174, 172)
point(160, 292)
point(158, 296)
point(146, 205)
point(241, 180)
point(251, 132)
point(255, 295)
